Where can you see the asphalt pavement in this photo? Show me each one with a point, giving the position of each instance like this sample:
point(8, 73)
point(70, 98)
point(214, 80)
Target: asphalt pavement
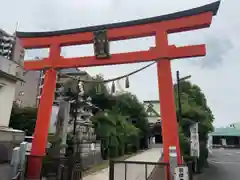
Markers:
point(224, 164)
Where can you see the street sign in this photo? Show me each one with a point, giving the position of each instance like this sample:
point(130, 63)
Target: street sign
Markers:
point(195, 150)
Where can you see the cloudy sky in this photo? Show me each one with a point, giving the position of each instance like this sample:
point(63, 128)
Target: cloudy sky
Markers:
point(216, 73)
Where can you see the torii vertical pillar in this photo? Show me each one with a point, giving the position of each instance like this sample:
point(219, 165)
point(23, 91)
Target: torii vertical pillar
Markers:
point(166, 96)
point(42, 124)
point(167, 104)
point(168, 110)
point(40, 137)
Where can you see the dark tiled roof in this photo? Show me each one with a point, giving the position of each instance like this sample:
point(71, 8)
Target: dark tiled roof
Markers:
point(213, 7)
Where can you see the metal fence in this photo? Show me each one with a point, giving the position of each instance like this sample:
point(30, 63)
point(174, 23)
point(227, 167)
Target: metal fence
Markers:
point(60, 168)
point(91, 159)
point(137, 170)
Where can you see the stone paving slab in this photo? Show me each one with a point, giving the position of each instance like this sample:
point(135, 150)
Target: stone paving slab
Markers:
point(134, 171)
point(4, 171)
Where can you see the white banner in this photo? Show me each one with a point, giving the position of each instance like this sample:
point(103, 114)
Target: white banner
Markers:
point(195, 147)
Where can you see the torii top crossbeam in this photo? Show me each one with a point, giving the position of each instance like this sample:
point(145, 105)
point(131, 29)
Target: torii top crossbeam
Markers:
point(187, 20)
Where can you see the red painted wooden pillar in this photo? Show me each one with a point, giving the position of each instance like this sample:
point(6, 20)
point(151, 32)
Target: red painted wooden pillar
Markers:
point(43, 119)
point(42, 125)
point(167, 108)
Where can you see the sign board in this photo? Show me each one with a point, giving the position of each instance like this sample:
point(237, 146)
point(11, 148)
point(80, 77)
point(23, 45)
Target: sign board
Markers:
point(181, 173)
point(209, 145)
point(194, 137)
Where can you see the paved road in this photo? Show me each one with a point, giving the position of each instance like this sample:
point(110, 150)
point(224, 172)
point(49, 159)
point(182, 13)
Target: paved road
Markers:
point(224, 164)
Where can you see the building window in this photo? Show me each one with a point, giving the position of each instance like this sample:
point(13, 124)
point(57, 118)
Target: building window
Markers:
point(22, 83)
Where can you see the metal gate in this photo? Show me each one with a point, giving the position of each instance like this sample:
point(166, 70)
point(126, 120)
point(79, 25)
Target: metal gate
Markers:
point(140, 170)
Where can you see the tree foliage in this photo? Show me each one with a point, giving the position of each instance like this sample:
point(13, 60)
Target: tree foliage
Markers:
point(121, 123)
point(126, 123)
point(117, 135)
point(23, 119)
point(194, 109)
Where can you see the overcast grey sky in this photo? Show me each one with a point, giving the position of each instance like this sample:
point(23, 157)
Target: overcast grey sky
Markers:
point(216, 73)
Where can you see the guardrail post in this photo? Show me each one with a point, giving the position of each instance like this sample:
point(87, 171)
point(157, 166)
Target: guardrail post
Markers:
point(15, 161)
point(111, 170)
point(23, 150)
point(190, 170)
point(172, 161)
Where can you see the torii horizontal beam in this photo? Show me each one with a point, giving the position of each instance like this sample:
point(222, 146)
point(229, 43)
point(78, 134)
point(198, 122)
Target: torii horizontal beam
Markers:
point(212, 8)
point(196, 18)
point(122, 58)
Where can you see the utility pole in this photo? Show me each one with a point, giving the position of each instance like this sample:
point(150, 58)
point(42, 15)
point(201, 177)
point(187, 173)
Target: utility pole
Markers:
point(179, 94)
point(75, 115)
point(179, 98)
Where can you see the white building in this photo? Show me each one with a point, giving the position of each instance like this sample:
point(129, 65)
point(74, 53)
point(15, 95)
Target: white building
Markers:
point(152, 109)
point(11, 71)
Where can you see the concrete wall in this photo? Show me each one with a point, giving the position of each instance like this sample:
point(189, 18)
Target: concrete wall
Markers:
point(6, 100)
point(9, 67)
point(9, 138)
point(27, 92)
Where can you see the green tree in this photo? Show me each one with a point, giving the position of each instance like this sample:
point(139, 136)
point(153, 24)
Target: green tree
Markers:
point(194, 109)
point(129, 106)
point(117, 135)
point(125, 104)
point(23, 119)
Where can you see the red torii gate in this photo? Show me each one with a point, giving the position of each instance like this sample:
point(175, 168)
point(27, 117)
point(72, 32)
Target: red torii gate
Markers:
point(159, 27)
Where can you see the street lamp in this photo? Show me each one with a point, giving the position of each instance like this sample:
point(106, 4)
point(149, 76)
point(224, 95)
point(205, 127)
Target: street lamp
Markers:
point(178, 91)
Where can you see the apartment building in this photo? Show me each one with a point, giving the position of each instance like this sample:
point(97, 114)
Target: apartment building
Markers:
point(11, 72)
point(28, 93)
